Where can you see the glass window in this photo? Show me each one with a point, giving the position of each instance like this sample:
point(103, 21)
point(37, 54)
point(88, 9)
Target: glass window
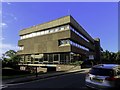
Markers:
point(64, 42)
point(62, 58)
point(42, 32)
point(38, 33)
point(101, 72)
point(27, 36)
point(56, 29)
point(56, 57)
point(52, 30)
point(68, 27)
point(62, 28)
point(21, 47)
point(23, 36)
point(50, 57)
point(45, 57)
point(46, 31)
point(30, 35)
point(33, 34)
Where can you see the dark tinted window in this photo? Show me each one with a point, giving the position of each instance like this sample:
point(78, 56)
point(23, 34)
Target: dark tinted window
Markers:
point(102, 72)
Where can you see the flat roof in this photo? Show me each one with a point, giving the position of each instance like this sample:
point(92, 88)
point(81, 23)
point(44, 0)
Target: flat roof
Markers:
point(46, 25)
point(57, 22)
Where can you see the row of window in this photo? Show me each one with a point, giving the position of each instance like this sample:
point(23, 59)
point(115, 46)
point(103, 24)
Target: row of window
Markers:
point(78, 45)
point(78, 34)
point(63, 43)
point(62, 58)
point(69, 42)
point(44, 32)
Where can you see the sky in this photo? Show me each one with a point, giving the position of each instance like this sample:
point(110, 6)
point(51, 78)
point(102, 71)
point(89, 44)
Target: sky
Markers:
point(99, 19)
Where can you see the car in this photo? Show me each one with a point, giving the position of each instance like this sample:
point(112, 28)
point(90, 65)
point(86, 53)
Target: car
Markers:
point(103, 77)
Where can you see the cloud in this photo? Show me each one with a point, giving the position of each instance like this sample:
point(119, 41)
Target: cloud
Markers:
point(9, 17)
point(3, 25)
point(1, 38)
point(12, 16)
point(15, 18)
point(8, 3)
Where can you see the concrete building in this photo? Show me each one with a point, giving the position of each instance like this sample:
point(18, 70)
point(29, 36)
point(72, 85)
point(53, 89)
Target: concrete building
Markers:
point(58, 42)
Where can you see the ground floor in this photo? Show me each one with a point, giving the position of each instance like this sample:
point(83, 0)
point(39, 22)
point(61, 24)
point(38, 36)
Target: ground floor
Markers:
point(52, 58)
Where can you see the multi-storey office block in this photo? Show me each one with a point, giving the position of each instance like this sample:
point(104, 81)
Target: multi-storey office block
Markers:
point(61, 41)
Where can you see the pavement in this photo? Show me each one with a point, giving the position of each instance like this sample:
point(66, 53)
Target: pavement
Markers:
point(42, 76)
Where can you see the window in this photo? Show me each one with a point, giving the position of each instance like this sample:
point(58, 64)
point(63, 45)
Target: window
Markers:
point(33, 34)
point(68, 27)
point(21, 47)
point(30, 35)
point(45, 57)
point(62, 28)
point(62, 58)
point(50, 57)
point(27, 36)
point(24, 37)
point(21, 37)
point(101, 72)
point(56, 29)
point(56, 57)
point(46, 31)
point(78, 45)
point(64, 42)
point(52, 30)
point(78, 33)
point(38, 33)
point(42, 32)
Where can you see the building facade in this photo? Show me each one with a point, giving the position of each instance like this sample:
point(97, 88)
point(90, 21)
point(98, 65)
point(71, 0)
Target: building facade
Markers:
point(61, 41)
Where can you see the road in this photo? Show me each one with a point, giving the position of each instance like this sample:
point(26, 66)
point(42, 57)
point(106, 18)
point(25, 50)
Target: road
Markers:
point(74, 80)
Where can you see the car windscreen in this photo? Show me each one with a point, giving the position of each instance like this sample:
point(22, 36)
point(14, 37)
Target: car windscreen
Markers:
point(102, 72)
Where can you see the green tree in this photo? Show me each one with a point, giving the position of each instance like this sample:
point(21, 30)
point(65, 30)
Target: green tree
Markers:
point(108, 57)
point(118, 57)
point(10, 59)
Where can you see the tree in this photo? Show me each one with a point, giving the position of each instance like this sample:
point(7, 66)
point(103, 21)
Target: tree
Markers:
point(108, 57)
point(10, 53)
point(118, 57)
point(10, 59)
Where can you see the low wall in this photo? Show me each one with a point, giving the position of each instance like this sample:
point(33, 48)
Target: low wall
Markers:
point(67, 67)
point(58, 68)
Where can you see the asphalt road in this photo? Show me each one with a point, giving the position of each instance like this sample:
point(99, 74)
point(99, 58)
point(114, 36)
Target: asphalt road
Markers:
point(74, 80)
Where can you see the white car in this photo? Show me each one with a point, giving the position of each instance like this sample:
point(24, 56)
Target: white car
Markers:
point(103, 76)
